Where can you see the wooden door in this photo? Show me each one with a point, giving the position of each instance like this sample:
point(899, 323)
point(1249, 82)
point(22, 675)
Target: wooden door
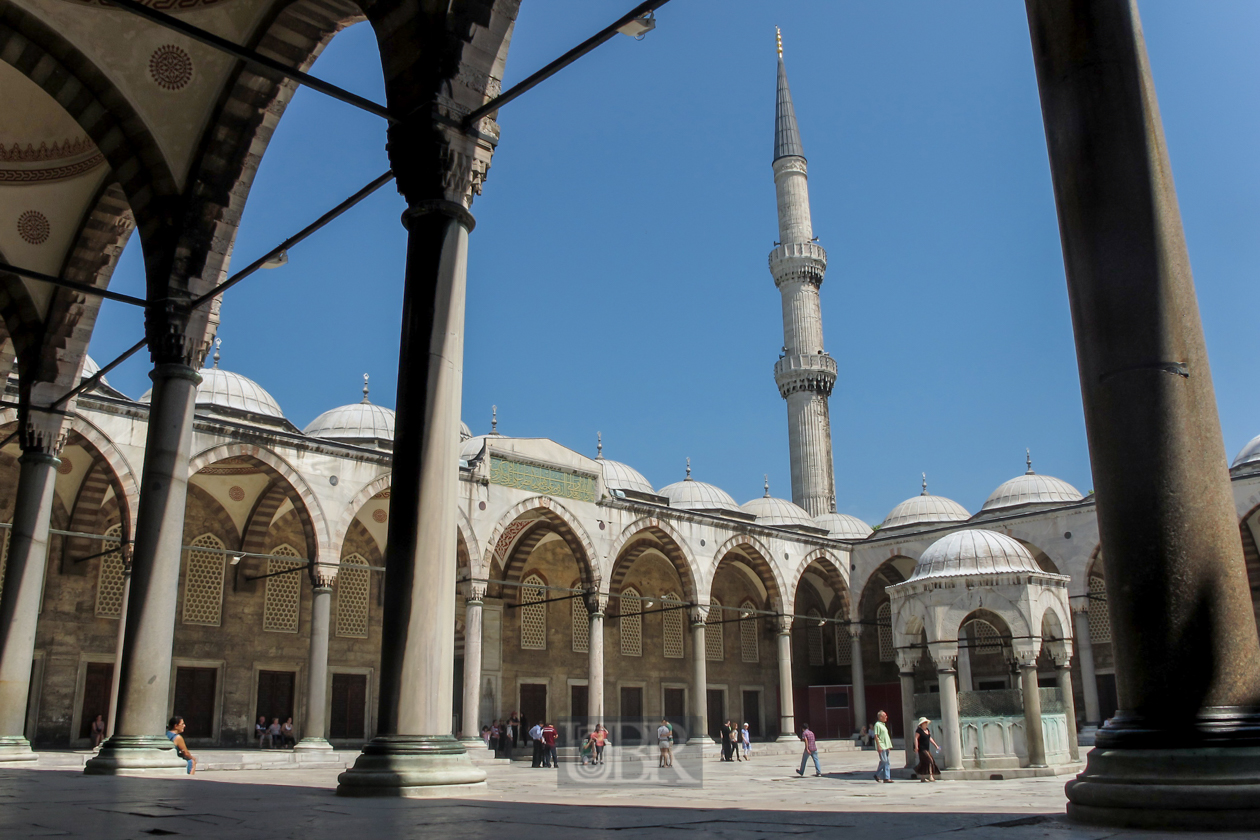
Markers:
point(275, 695)
point(194, 700)
point(716, 698)
point(96, 690)
point(675, 701)
point(349, 701)
point(579, 704)
point(752, 713)
point(534, 703)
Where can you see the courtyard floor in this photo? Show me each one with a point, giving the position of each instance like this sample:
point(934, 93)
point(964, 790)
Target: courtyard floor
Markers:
point(762, 798)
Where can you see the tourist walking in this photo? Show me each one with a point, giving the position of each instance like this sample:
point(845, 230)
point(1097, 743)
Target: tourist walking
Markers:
point(665, 740)
point(535, 735)
point(883, 743)
point(745, 738)
point(549, 736)
point(724, 737)
point(926, 770)
point(175, 734)
point(811, 751)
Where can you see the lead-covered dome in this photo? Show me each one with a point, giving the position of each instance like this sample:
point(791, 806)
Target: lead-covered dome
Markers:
point(1250, 454)
point(90, 369)
point(464, 432)
point(1031, 489)
point(690, 494)
point(925, 509)
point(841, 526)
point(777, 512)
point(973, 551)
point(222, 389)
point(619, 476)
point(360, 422)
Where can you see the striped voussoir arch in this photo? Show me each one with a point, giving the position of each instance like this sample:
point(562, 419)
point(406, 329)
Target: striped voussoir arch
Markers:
point(85, 517)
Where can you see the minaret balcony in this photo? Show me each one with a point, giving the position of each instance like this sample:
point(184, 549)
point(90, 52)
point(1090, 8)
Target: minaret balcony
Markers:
point(803, 262)
point(800, 372)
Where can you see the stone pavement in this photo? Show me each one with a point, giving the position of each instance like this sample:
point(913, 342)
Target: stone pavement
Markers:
point(763, 798)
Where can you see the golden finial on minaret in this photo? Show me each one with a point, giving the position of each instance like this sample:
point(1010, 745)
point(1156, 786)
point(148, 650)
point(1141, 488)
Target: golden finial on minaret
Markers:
point(778, 41)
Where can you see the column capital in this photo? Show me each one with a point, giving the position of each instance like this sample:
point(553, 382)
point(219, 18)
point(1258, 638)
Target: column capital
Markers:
point(322, 575)
point(699, 614)
point(474, 591)
point(783, 624)
point(1059, 650)
point(177, 337)
point(41, 430)
point(906, 660)
point(855, 630)
point(1025, 654)
point(944, 654)
point(433, 160)
point(596, 601)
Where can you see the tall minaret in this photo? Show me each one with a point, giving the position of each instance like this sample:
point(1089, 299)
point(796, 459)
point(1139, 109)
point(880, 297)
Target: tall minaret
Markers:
point(804, 373)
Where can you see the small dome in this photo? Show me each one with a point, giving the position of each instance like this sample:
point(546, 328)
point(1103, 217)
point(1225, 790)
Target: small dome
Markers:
point(925, 509)
point(91, 368)
point(619, 476)
point(690, 494)
point(1031, 489)
point(1250, 453)
point(471, 448)
point(358, 421)
point(224, 389)
point(841, 526)
point(772, 511)
point(464, 432)
point(973, 551)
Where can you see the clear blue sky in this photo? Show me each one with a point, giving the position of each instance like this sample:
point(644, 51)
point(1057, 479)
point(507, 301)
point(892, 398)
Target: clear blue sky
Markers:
point(618, 280)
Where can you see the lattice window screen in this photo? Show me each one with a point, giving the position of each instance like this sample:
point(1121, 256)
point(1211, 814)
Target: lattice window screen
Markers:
point(534, 617)
point(284, 593)
point(109, 581)
point(985, 637)
point(631, 623)
point(748, 648)
point(844, 645)
point(203, 583)
point(354, 589)
point(672, 627)
point(883, 616)
point(714, 643)
point(814, 637)
point(1099, 621)
point(581, 625)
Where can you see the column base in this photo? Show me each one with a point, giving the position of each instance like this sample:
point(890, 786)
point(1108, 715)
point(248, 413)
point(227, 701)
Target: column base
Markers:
point(136, 755)
point(412, 766)
point(16, 748)
point(787, 739)
point(1206, 788)
point(312, 745)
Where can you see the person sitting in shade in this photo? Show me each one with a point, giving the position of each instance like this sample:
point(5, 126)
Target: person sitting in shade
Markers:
point(175, 734)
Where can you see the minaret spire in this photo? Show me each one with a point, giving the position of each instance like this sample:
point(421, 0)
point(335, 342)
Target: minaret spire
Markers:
point(805, 373)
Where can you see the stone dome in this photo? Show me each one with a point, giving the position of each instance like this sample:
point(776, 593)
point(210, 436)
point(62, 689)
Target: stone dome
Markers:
point(231, 391)
point(973, 551)
point(619, 476)
point(471, 448)
point(925, 509)
point(1031, 489)
point(690, 494)
point(91, 368)
point(361, 421)
point(841, 526)
point(1250, 453)
point(777, 512)
point(464, 432)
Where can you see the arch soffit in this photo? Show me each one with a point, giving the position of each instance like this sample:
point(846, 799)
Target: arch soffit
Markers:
point(761, 560)
point(342, 526)
point(949, 619)
point(830, 564)
point(313, 509)
point(126, 487)
point(672, 542)
point(561, 520)
point(871, 594)
point(868, 564)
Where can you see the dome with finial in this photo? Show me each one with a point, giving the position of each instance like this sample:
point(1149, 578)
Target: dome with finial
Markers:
point(776, 512)
point(924, 509)
point(1031, 489)
point(464, 432)
point(619, 476)
point(1250, 455)
point(690, 494)
point(90, 369)
point(971, 552)
point(842, 526)
point(471, 446)
point(230, 393)
point(361, 423)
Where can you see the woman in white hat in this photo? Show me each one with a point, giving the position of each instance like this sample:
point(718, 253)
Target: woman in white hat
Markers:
point(924, 743)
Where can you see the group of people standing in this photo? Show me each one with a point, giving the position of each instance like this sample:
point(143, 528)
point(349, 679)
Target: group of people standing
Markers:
point(736, 742)
point(503, 736)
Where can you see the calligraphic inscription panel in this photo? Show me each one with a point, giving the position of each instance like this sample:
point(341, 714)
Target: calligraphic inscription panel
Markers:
point(545, 481)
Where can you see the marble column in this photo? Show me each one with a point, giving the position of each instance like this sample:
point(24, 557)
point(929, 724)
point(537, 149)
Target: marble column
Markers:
point(1182, 751)
point(469, 722)
point(317, 671)
point(595, 658)
point(787, 715)
point(908, 717)
point(1089, 679)
point(859, 679)
point(138, 745)
point(118, 643)
point(950, 722)
point(965, 683)
point(699, 678)
point(24, 577)
point(1063, 674)
point(1034, 737)
point(416, 754)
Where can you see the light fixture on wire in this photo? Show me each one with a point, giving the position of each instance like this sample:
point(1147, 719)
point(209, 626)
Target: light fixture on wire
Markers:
point(639, 27)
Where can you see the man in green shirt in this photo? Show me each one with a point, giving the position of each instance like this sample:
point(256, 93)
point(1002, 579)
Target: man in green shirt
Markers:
point(883, 743)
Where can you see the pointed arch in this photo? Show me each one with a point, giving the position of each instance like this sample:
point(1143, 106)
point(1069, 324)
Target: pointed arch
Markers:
point(512, 540)
point(650, 532)
point(758, 558)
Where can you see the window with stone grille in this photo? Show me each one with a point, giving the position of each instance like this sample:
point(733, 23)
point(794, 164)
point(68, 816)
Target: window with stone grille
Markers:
point(672, 627)
point(1099, 621)
point(284, 592)
point(748, 649)
point(844, 645)
point(354, 588)
point(883, 617)
point(714, 647)
point(533, 615)
point(581, 624)
point(203, 582)
point(109, 580)
point(814, 638)
point(631, 622)
point(985, 638)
